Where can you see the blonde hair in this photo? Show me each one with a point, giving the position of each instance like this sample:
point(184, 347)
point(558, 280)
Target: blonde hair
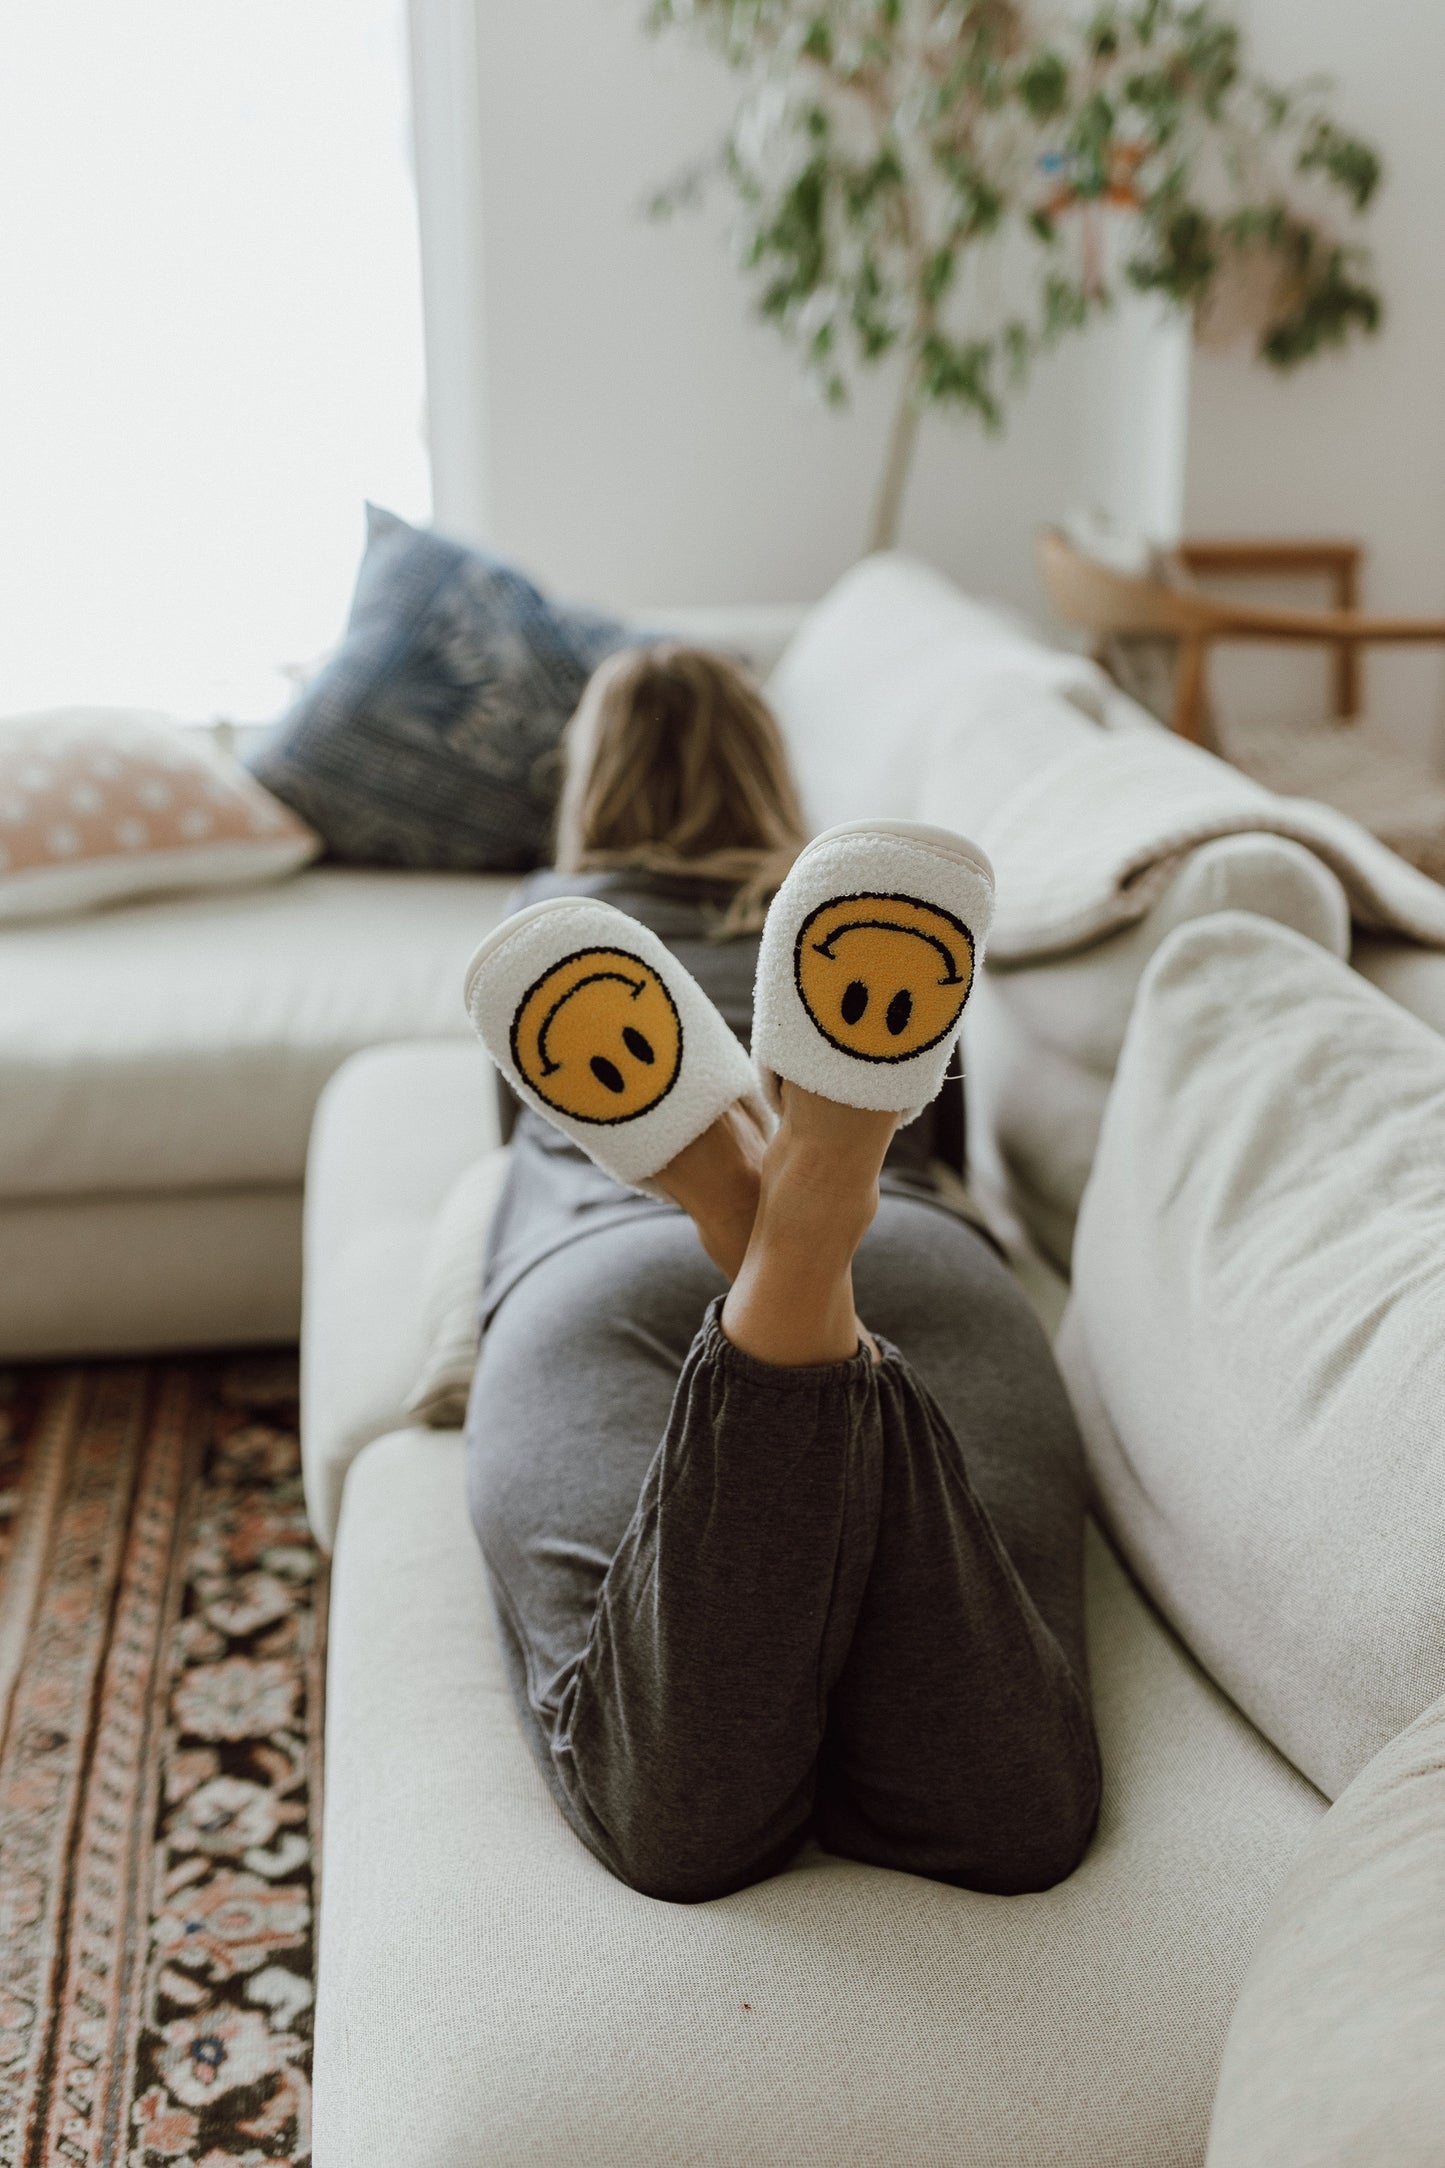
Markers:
point(675, 764)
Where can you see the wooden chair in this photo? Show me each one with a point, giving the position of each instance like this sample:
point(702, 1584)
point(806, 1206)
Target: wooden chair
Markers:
point(1164, 605)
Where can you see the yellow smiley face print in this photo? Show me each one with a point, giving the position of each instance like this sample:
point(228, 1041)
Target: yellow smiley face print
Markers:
point(598, 1037)
point(883, 977)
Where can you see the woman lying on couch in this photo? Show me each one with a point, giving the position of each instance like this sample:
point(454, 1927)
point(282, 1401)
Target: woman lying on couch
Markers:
point(779, 1493)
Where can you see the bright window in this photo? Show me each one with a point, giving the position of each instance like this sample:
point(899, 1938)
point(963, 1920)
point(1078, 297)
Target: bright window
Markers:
point(211, 350)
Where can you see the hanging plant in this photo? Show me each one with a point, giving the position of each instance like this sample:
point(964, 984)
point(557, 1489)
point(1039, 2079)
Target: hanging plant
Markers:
point(958, 185)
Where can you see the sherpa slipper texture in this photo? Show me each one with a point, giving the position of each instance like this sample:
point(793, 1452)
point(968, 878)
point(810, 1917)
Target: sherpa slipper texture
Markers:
point(596, 1024)
point(866, 961)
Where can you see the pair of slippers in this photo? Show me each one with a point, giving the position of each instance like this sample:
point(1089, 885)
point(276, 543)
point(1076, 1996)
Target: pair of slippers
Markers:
point(866, 961)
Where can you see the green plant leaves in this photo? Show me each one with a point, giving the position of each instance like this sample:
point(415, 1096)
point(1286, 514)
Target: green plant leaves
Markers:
point(1043, 85)
point(1344, 159)
point(883, 148)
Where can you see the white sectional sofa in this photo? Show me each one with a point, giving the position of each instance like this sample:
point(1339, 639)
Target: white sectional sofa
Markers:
point(160, 1065)
point(488, 1994)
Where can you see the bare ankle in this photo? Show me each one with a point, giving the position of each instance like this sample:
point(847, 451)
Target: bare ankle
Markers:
point(805, 1207)
point(792, 1301)
point(854, 1138)
point(820, 1173)
point(716, 1179)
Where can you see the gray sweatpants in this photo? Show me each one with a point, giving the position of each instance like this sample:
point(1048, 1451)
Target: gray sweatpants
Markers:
point(741, 1604)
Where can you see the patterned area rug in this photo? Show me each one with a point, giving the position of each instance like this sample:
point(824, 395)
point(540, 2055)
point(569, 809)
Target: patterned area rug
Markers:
point(161, 1618)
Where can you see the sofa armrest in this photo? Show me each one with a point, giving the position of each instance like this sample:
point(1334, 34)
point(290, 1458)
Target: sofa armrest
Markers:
point(1333, 2055)
point(395, 1127)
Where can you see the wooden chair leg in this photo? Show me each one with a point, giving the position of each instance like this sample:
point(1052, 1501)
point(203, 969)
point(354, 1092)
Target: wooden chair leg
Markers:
point(1347, 654)
point(1191, 693)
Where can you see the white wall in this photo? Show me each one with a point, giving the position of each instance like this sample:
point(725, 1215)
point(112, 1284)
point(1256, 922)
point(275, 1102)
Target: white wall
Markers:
point(647, 441)
point(1353, 444)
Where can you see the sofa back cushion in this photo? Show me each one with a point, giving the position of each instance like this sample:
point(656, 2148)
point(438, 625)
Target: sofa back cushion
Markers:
point(1256, 1339)
point(887, 668)
point(1041, 1041)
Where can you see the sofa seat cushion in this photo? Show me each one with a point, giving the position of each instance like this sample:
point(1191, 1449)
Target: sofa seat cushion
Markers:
point(182, 1045)
point(146, 1274)
point(489, 1992)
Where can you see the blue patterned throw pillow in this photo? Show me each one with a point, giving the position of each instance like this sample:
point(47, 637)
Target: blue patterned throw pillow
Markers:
point(430, 737)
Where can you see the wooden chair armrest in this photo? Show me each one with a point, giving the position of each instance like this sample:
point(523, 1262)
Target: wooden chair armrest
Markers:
point(1346, 631)
point(1344, 627)
point(1338, 560)
point(1228, 621)
point(1106, 603)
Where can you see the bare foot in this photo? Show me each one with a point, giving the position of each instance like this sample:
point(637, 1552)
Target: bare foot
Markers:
point(716, 1180)
point(792, 1300)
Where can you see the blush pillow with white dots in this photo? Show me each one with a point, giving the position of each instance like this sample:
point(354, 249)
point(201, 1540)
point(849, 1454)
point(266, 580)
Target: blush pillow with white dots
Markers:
point(99, 805)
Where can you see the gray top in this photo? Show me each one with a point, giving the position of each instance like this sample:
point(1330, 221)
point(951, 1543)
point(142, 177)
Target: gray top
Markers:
point(554, 1194)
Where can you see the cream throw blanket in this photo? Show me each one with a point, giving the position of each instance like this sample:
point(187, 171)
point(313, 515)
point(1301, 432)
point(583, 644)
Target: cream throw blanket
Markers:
point(1086, 816)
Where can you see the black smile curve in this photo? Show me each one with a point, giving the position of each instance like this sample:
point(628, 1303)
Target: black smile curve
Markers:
point(891, 925)
point(550, 1067)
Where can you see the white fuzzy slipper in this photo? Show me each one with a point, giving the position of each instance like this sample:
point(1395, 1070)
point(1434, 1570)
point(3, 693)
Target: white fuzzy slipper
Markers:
point(596, 1024)
point(866, 962)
